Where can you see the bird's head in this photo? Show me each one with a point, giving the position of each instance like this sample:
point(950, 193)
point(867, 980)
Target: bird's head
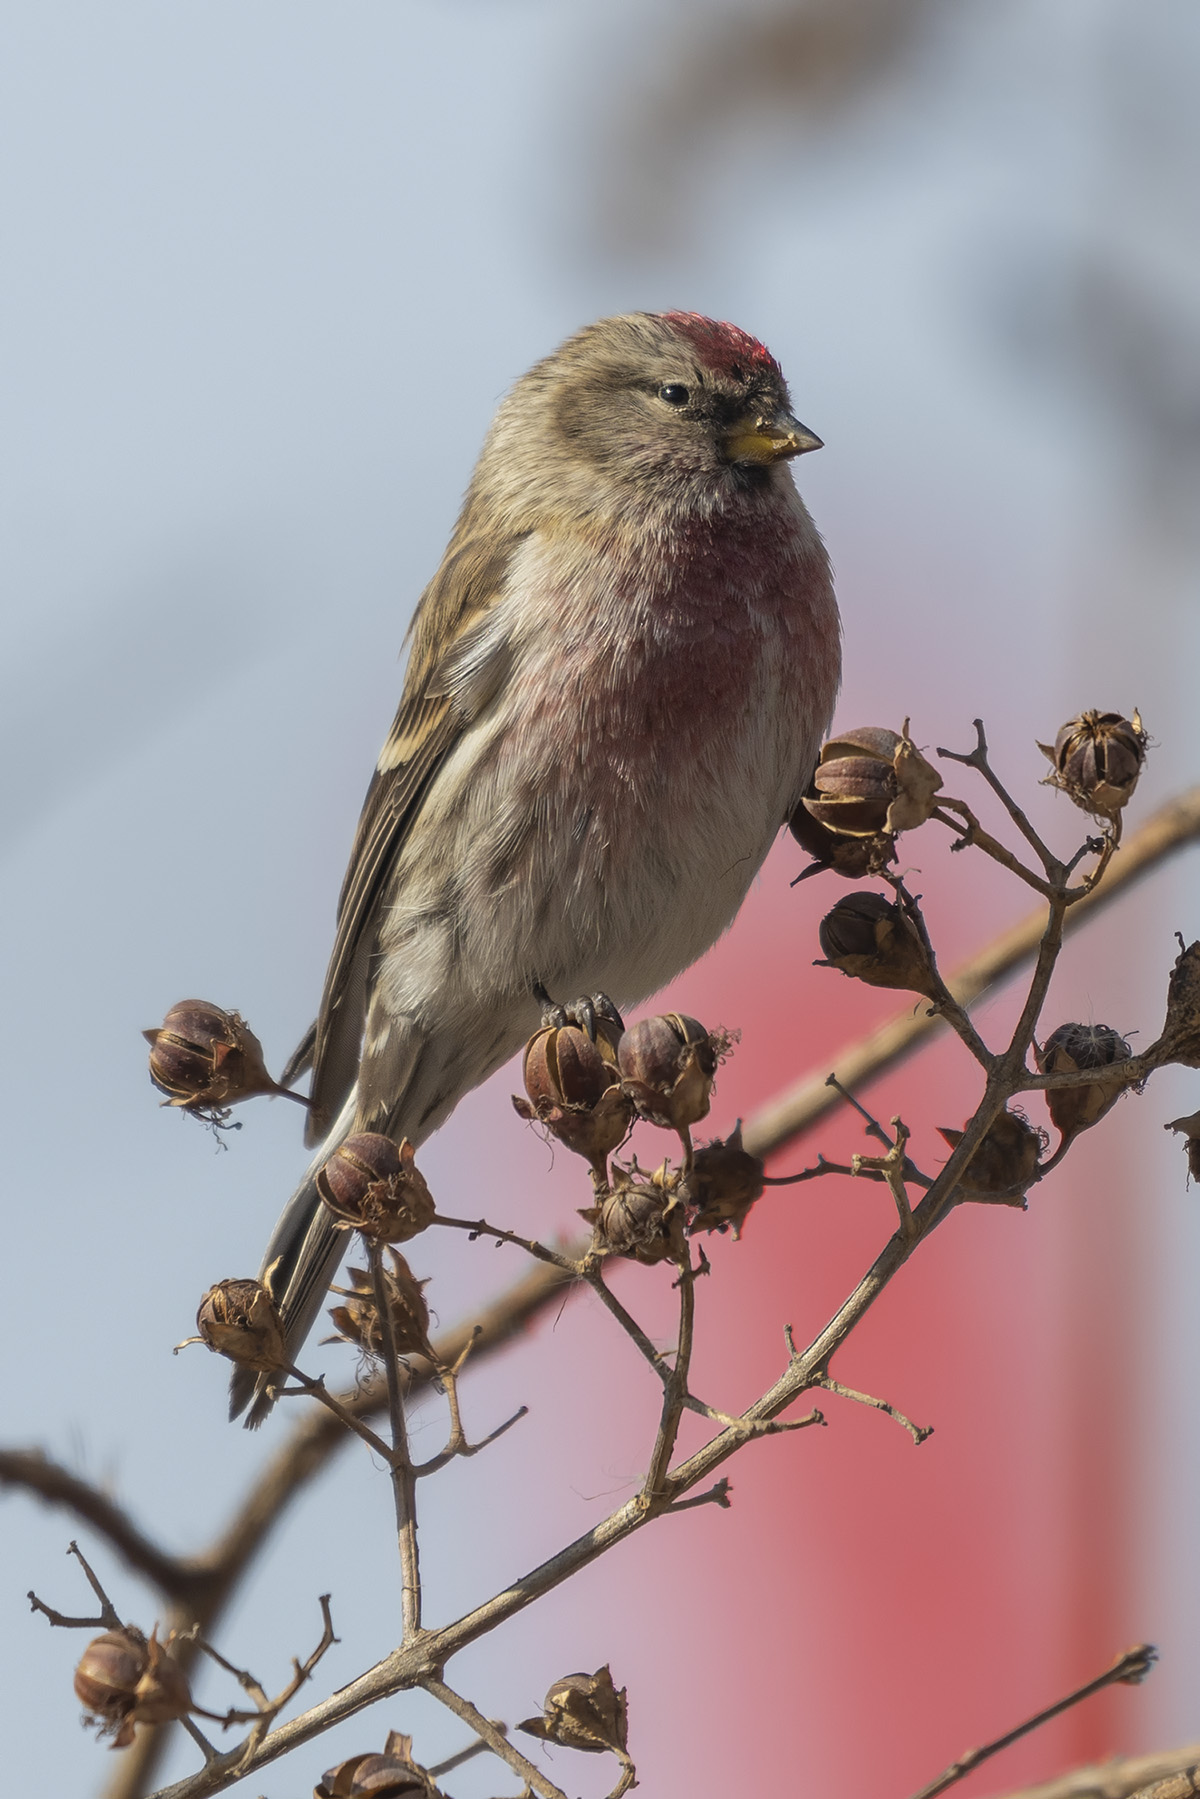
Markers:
point(659, 406)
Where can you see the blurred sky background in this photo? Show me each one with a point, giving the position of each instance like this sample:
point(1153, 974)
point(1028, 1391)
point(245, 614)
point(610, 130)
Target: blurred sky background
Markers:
point(267, 270)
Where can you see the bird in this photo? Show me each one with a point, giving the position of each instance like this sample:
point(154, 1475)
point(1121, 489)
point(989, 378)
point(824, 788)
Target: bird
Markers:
point(617, 685)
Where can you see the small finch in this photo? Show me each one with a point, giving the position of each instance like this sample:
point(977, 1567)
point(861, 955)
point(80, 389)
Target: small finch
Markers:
point(617, 685)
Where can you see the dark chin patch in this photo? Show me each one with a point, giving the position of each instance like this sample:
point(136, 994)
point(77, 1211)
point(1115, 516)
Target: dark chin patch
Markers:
point(752, 477)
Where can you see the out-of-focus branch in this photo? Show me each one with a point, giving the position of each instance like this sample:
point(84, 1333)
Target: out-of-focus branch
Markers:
point(1127, 1777)
point(34, 1472)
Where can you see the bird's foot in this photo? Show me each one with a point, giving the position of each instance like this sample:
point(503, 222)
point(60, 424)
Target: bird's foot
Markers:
point(594, 1013)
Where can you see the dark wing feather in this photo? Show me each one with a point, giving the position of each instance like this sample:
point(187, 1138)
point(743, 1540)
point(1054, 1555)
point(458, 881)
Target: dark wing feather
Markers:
point(434, 710)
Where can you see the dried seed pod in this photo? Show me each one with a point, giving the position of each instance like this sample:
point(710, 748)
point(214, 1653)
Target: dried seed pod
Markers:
point(854, 783)
point(724, 1182)
point(122, 1680)
point(1081, 1046)
point(392, 1775)
point(1005, 1162)
point(106, 1680)
point(373, 1185)
point(162, 1692)
point(358, 1321)
point(206, 1060)
point(636, 1218)
point(668, 1065)
point(583, 1711)
point(1189, 1127)
point(240, 1319)
point(872, 940)
point(1097, 759)
point(574, 1091)
point(1181, 1028)
point(853, 858)
point(871, 781)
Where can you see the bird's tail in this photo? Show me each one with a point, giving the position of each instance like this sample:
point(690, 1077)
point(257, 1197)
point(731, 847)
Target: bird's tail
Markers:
point(301, 1259)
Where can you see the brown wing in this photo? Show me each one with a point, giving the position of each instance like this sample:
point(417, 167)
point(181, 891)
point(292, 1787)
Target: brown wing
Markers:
point(436, 705)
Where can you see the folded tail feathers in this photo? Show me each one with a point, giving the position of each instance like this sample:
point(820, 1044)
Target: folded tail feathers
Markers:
point(301, 1259)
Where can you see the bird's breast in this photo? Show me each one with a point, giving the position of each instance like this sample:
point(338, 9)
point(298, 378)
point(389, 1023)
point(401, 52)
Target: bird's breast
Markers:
point(603, 821)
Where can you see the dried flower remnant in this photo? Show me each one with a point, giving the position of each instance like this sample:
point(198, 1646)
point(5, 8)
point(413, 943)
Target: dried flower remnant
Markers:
point(373, 1185)
point(358, 1320)
point(1075, 1047)
point(723, 1184)
point(1005, 1163)
point(853, 858)
point(871, 939)
point(206, 1059)
point(583, 1711)
point(122, 1680)
point(1181, 1028)
point(240, 1320)
point(392, 1775)
point(870, 781)
point(637, 1218)
point(574, 1090)
point(668, 1066)
point(1189, 1128)
point(1097, 759)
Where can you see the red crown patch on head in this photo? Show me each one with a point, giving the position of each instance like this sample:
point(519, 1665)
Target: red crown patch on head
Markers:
point(719, 345)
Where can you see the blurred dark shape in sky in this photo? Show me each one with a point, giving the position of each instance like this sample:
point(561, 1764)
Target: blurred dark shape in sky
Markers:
point(735, 72)
point(1109, 313)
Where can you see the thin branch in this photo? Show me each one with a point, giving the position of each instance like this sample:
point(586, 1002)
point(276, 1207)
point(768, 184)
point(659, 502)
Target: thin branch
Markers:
point(478, 1747)
point(479, 1227)
point(942, 1000)
point(207, 1749)
point(675, 1387)
point(594, 1276)
point(874, 1128)
point(971, 835)
point(403, 1476)
point(717, 1494)
point(820, 1167)
point(918, 1432)
point(109, 1616)
point(891, 1167)
point(1175, 827)
point(459, 1446)
point(316, 1389)
point(495, 1738)
point(1128, 1669)
point(978, 760)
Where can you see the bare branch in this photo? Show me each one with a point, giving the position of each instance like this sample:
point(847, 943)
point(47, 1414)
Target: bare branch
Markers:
point(1128, 1669)
point(1173, 828)
point(403, 1476)
point(978, 760)
point(918, 1432)
point(495, 1738)
point(109, 1617)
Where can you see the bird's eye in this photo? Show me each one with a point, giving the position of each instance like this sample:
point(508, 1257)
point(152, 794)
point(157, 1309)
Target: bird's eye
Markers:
point(674, 393)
